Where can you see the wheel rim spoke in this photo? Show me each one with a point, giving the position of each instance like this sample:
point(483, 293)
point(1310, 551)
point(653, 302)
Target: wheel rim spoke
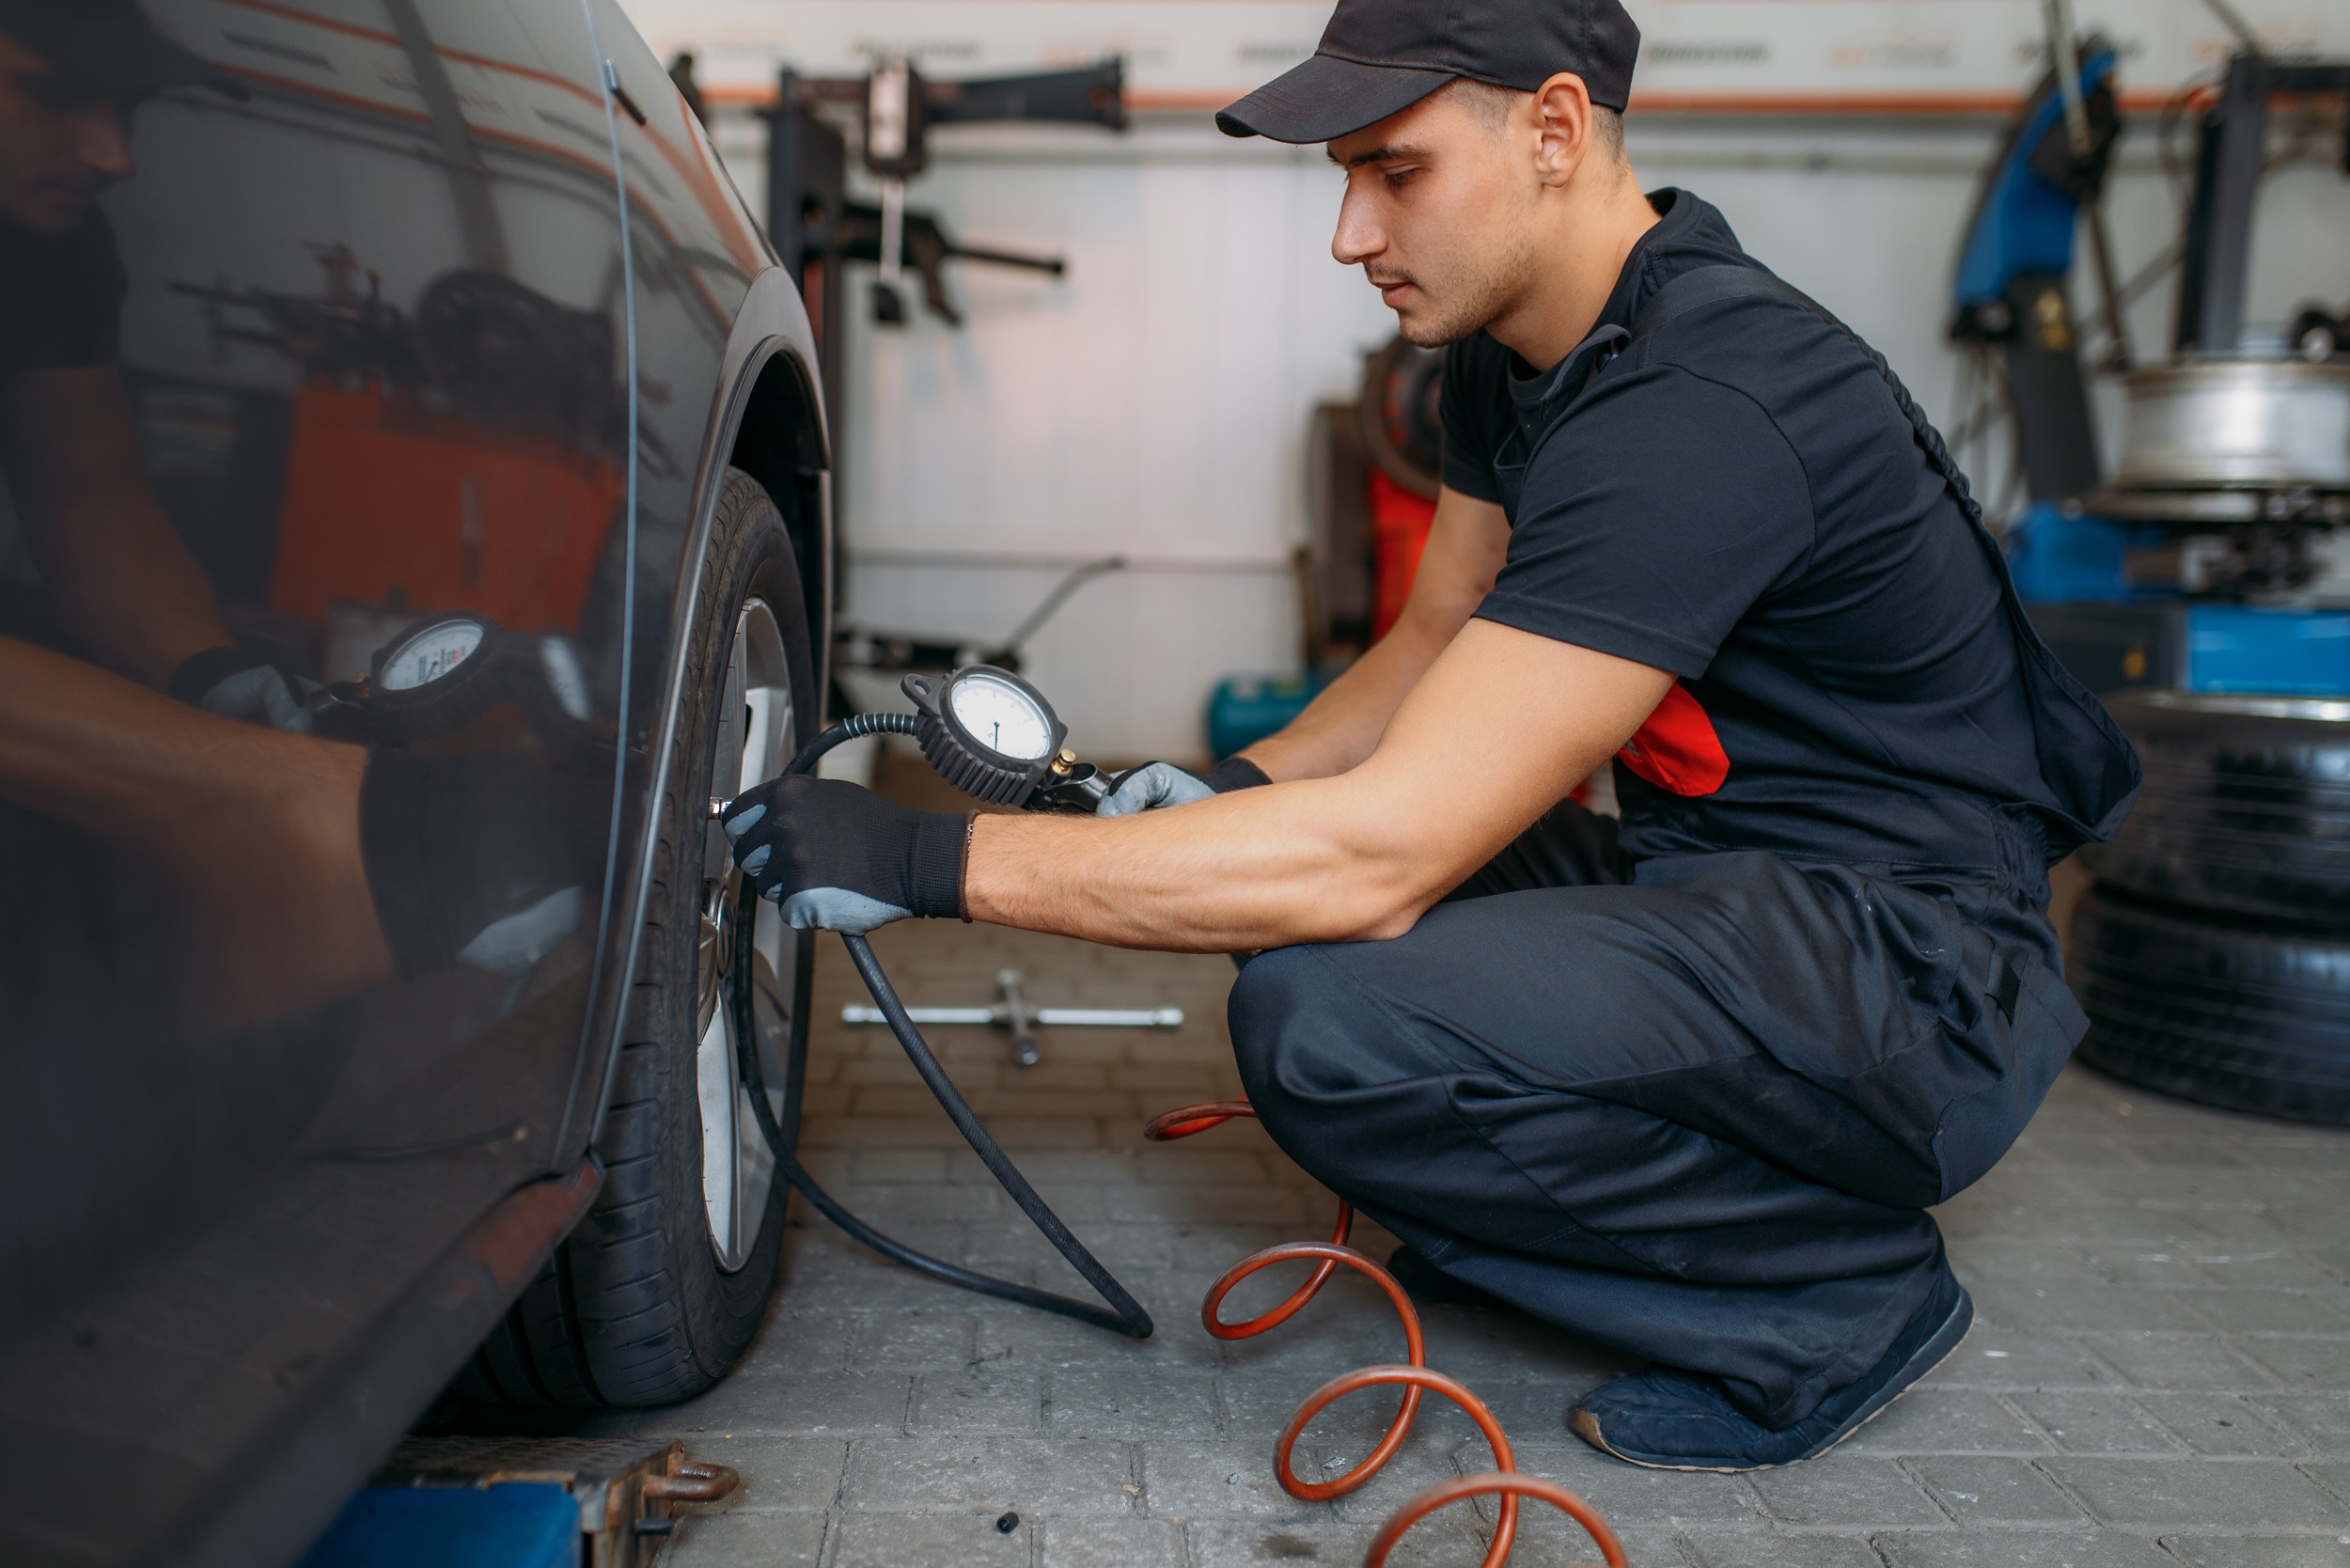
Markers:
point(755, 734)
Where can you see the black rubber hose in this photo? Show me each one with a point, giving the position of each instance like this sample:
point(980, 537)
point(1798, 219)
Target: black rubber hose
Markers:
point(1125, 1314)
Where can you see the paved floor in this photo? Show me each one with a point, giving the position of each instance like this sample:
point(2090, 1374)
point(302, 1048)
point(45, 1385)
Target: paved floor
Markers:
point(2160, 1372)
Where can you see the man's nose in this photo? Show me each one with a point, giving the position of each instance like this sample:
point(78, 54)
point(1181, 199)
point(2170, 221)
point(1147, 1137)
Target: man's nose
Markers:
point(1358, 237)
point(105, 144)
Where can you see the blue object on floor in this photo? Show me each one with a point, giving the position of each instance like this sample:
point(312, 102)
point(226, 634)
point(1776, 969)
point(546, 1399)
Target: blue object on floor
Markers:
point(1248, 707)
point(512, 1525)
point(2236, 649)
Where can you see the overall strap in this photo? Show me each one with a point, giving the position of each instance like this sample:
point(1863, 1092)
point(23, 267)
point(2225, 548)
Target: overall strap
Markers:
point(2086, 759)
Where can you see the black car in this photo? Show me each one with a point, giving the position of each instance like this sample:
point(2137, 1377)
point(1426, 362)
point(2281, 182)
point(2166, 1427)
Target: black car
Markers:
point(416, 518)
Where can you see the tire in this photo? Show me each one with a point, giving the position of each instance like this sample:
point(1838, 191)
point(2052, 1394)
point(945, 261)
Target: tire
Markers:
point(654, 1297)
point(2239, 1016)
point(2245, 810)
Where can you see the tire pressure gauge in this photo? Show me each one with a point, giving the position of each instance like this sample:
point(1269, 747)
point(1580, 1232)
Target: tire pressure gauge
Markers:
point(992, 736)
point(437, 676)
point(442, 673)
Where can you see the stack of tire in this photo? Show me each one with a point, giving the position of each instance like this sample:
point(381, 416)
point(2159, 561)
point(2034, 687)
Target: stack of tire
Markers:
point(2213, 952)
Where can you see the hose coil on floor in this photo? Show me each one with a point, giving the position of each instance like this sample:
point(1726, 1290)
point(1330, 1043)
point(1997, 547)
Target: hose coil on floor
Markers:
point(1414, 1377)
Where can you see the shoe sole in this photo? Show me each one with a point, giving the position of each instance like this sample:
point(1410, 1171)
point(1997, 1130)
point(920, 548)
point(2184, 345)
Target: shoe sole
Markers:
point(1940, 1348)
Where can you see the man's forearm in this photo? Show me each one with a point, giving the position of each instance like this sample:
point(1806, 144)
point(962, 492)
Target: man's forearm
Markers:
point(1356, 857)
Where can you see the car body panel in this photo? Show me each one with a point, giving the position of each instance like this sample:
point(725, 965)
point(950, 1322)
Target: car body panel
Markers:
point(376, 348)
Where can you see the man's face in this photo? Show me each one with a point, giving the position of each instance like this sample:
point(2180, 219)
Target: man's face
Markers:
point(61, 142)
point(1436, 214)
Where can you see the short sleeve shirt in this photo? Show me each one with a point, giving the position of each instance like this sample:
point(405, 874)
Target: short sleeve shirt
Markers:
point(60, 297)
point(1736, 499)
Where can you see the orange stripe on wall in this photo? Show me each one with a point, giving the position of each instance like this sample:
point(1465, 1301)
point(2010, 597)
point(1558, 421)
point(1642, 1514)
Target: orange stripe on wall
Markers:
point(1207, 102)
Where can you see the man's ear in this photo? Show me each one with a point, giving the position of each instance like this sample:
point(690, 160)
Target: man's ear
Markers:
point(1563, 112)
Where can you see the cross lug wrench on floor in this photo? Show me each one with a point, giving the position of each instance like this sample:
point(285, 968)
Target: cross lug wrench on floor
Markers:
point(1013, 1014)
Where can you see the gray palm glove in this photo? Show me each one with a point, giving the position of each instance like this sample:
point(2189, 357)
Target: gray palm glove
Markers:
point(233, 684)
point(1156, 784)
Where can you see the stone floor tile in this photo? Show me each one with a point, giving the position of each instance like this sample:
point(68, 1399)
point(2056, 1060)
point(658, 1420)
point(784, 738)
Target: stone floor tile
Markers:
point(2084, 1421)
point(1083, 1542)
point(907, 1340)
point(1325, 1538)
point(897, 1475)
point(802, 1402)
point(1134, 1403)
point(1845, 1490)
point(1991, 1358)
point(746, 1541)
point(896, 1541)
point(2304, 1366)
point(2322, 1420)
point(1987, 1489)
point(1219, 1480)
point(2015, 1304)
point(2221, 1424)
point(2264, 1312)
point(2158, 1494)
point(976, 1401)
point(2175, 1362)
point(1948, 1420)
point(2020, 1549)
point(1756, 1548)
point(2259, 1551)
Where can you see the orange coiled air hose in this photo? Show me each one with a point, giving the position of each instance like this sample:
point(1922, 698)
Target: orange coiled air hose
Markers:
point(1415, 1378)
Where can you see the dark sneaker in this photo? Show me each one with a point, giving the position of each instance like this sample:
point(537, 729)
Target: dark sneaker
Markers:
point(1430, 1286)
point(1677, 1420)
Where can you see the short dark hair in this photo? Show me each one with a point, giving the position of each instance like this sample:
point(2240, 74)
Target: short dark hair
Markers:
point(1492, 105)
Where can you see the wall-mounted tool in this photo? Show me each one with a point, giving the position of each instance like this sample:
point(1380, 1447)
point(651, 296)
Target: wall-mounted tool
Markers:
point(897, 109)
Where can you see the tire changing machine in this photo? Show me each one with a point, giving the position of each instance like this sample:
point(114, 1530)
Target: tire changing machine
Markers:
point(2202, 588)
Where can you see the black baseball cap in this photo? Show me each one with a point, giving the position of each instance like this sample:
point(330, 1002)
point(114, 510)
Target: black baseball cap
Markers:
point(106, 43)
point(1378, 57)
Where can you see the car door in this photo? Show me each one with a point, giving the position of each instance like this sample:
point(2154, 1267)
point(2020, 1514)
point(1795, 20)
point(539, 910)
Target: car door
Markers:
point(374, 369)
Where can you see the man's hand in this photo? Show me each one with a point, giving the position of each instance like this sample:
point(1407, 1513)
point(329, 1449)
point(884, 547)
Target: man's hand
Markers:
point(235, 685)
point(838, 857)
point(1156, 784)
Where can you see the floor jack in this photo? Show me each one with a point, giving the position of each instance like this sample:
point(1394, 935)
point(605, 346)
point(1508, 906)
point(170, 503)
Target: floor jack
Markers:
point(1013, 1014)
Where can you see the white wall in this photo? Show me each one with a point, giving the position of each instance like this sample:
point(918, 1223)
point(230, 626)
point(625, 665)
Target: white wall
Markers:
point(1155, 404)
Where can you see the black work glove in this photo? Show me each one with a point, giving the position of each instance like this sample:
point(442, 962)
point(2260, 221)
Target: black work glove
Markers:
point(1157, 784)
point(236, 686)
point(839, 858)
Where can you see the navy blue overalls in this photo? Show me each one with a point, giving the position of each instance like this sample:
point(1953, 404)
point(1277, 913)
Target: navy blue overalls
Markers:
point(1694, 1105)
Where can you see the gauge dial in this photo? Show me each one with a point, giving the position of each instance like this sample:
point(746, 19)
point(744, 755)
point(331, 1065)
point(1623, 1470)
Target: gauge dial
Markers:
point(430, 654)
point(1000, 718)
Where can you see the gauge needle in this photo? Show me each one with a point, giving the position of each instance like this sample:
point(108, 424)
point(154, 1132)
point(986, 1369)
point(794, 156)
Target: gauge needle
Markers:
point(997, 743)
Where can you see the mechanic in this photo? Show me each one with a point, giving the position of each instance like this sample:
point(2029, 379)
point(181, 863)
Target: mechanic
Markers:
point(1687, 1084)
point(295, 870)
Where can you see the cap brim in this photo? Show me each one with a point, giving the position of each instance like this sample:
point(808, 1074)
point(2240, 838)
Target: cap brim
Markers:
point(1327, 97)
point(124, 56)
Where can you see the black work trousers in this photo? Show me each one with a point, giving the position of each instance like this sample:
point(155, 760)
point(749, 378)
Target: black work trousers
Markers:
point(1694, 1106)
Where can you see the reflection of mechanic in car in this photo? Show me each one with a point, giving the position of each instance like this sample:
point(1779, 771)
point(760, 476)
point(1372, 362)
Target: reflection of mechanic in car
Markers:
point(262, 841)
point(119, 580)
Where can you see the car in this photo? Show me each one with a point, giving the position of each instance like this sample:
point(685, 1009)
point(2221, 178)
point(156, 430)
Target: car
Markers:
point(372, 1032)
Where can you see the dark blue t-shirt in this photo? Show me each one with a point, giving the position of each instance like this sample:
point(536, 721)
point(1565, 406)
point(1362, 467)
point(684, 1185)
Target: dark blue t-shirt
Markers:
point(1737, 499)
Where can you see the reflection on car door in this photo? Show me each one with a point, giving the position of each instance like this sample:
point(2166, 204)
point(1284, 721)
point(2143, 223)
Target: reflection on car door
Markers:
point(295, 996)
